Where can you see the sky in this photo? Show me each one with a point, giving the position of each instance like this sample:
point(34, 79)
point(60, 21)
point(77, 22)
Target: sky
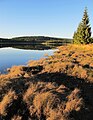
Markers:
point(57, 18)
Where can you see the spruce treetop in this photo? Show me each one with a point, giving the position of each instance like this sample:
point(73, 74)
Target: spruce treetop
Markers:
point(85, 19)
point(83, 33)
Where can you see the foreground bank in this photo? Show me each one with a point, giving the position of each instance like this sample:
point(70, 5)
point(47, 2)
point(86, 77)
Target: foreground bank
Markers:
point(59, 87)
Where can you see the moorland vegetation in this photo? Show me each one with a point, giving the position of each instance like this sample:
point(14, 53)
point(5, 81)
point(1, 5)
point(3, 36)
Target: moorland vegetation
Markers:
point(59, 87)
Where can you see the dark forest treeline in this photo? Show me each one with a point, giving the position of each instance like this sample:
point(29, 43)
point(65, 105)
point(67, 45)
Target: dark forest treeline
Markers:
point(34, 40)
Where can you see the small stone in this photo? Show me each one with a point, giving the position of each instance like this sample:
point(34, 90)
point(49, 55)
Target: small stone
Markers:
point(26, 75)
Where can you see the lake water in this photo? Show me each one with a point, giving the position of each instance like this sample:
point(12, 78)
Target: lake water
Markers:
point(12, 56)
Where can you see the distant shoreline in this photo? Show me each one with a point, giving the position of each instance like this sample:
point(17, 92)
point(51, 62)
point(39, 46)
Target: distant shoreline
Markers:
point(34, 40)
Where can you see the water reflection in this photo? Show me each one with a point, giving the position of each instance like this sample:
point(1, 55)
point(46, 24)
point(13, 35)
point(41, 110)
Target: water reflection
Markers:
point(32, 46)
point(20, 55)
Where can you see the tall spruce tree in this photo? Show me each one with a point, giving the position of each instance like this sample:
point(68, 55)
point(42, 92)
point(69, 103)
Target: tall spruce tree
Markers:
point(83, 33)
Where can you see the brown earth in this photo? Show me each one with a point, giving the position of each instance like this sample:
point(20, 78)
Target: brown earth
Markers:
point(59, 87)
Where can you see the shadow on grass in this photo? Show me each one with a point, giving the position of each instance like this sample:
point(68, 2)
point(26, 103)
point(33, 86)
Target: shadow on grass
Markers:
point(72, 82)
point(86, 88)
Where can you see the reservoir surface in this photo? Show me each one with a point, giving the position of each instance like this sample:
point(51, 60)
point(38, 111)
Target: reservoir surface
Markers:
point(13, 56)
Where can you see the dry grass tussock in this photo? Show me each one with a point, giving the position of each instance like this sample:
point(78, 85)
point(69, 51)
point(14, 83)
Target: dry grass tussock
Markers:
point(7, 100)
point(59, 87)
point(74, 60)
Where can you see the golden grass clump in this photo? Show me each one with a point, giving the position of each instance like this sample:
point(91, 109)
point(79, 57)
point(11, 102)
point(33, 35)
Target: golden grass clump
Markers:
point(7, 101)
point(74, 101)
point(51, 101)
point(15, 117)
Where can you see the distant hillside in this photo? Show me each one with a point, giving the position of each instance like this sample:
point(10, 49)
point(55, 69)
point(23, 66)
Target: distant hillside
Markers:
point(34, 40)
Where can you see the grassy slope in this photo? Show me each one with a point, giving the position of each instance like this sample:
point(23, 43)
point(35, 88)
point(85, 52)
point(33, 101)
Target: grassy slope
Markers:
point(59, 87)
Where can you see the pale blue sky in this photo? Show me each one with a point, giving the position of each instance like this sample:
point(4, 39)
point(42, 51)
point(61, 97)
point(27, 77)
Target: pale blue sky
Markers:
point(58, 18)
